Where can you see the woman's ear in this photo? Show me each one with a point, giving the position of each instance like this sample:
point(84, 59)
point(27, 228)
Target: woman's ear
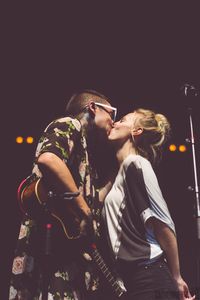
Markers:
point(137, 131)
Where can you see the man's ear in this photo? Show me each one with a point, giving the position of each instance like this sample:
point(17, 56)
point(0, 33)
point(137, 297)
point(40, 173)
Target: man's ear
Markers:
point(137, 131)
point(92, 107)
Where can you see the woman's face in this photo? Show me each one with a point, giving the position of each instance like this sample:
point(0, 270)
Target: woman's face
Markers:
point(122, 129)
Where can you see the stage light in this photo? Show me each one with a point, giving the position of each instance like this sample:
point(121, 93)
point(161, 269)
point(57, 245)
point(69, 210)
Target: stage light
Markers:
point(19, 139)
point(29, 140)
point(172, 148)
point(182, 148)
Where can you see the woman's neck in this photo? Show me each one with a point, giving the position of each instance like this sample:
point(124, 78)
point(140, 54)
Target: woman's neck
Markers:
point(124, 151)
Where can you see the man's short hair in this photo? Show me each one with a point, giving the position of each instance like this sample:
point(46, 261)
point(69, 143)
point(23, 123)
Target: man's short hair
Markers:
point(80, 99)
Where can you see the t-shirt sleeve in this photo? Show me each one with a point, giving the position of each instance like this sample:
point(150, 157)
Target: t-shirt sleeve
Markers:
point(158, 206)
point(136, 188)
point(59, 138)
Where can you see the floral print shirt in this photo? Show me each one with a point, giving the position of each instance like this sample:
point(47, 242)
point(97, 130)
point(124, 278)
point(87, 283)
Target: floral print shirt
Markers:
point(65, 138)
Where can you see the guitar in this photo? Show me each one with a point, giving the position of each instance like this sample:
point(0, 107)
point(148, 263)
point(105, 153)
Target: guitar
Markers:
point(35, 200)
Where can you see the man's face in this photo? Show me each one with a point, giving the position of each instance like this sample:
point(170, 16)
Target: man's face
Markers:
point(104, 116)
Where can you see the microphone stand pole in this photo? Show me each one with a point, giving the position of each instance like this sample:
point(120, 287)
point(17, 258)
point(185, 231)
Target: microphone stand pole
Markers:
point(190, 90)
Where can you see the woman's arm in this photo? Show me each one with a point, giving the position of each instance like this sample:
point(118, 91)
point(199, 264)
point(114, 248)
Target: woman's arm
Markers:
point(103, 191)
point(168, 242)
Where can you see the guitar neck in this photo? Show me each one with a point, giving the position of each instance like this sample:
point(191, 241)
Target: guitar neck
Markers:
point(116, 284)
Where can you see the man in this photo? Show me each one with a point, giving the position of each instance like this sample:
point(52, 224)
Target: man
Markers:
point(63, 163)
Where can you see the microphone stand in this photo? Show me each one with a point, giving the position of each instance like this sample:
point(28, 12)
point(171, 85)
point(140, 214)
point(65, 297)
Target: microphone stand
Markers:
point(190, 90)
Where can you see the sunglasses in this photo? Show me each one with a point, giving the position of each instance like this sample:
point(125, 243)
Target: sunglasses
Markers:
point(112, 113)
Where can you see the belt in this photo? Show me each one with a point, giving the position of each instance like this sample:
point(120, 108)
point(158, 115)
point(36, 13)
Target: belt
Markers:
point(147, 263)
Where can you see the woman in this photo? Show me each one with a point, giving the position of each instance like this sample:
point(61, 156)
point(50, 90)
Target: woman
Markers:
point(141, 232)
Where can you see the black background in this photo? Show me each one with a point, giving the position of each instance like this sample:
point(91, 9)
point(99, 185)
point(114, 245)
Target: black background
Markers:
point(136, 53)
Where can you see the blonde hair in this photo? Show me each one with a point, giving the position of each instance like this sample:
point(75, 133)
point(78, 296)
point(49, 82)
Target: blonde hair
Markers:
point(156, 131)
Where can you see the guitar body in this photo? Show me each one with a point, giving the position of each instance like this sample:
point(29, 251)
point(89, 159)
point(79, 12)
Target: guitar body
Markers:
point(34, 202)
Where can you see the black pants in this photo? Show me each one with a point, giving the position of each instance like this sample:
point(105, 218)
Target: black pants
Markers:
point(150, 282)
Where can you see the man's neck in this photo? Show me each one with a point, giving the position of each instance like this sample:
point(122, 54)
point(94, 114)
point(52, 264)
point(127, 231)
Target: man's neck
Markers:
point(84, 123)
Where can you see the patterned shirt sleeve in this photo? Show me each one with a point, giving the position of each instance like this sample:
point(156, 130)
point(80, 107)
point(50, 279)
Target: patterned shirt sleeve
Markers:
point(60, 137)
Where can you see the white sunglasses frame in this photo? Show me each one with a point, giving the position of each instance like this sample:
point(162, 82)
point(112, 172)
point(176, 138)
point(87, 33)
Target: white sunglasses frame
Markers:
point(114, 109)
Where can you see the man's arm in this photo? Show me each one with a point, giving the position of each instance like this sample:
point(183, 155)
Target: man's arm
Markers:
point(57, 174)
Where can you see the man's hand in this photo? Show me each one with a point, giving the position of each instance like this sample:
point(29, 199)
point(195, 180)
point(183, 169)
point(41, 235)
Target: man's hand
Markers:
point(86, 227)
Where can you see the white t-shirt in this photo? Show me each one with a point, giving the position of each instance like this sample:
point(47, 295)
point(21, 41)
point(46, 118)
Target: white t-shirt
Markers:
point(134, 198)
